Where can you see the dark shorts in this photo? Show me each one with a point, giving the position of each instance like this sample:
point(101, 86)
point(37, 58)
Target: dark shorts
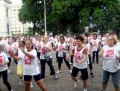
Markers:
point(28, 77)
point(84, 73)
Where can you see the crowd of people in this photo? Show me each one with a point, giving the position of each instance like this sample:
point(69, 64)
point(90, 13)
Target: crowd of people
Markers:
point(78, 52)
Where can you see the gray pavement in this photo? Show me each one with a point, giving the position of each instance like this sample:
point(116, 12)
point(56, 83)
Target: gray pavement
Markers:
point(63, 83)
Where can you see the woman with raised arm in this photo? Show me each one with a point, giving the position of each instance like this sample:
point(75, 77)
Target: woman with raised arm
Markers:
point(30, 66)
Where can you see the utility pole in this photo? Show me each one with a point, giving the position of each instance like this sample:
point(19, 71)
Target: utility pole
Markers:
point(45, 25)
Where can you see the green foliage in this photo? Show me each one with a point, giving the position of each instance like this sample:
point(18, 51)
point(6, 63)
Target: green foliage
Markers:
point(72, 14)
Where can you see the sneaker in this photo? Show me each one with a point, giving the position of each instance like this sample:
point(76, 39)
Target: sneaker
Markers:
point(70, 71)
point(11, 90)
point(75, 84)
point(58, 71)
point(31, 85)
point(70, 63)
point(21, 81)
point(9, 71)
point(55, 76)
point(85, 89)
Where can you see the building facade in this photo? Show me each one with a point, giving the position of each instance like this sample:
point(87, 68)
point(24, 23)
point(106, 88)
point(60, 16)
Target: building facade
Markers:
point(16, 27)
point(4, 18)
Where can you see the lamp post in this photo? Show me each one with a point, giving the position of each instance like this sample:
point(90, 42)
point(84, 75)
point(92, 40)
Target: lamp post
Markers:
point(45, 26)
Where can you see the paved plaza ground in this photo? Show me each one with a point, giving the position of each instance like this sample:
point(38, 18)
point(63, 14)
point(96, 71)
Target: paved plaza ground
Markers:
point(63, 83)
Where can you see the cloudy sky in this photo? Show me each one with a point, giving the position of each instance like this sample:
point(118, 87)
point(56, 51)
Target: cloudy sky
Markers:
point(16, 1)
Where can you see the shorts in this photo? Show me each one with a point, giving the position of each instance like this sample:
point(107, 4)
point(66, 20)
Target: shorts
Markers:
point(84, 73)
point(28, 77)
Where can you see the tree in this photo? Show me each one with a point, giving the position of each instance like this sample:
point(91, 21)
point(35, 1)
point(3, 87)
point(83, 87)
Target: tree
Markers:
point(73, 11)
point(31, 11)
point(73, 15)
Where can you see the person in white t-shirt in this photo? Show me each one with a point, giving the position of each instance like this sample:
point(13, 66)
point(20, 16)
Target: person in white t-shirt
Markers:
point(111, 64)
point(74, 44)
point(62, 47)
point(95, 48)
point(37, 46)
point(89, 51)
point(30, 66)
point(46, 57)
point(3, 68)
point(80, 63)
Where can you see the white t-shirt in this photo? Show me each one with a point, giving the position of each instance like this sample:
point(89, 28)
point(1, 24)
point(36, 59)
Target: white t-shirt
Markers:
point(74, 43)
point(78, 55)
point(3, 58)
point(44, 51)
point(51, 39)
point(21, 53)
point(94, 44)
point(61, 49)
point(104, 39)
point(38, 44)
point(9, 48)
point(30, 66)
point(109, 61)
point(87, 47)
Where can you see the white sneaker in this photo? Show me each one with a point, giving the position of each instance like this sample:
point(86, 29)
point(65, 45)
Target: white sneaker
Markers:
point(85, 89)
point(70, 63)
point(55, 76)
point(20, 81)
point(9, 71)
point(58, 71)
point(70, 71)
point(75, 84)
point(31, 85)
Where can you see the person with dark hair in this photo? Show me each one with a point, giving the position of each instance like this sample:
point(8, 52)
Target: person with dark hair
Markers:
point(80, 64)
point(95, 48)
point(62, 47)
point(74, 44)
point(3, 68)
point(89, 50)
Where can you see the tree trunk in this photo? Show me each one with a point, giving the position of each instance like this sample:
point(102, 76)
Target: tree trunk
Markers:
point(34, 28)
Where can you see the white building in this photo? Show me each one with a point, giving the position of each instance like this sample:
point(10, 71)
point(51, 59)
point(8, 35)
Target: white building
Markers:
point(16, 27)
point(4, 21)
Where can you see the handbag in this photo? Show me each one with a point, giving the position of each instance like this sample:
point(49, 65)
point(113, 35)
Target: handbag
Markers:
point(19, 71)
point(47, 56)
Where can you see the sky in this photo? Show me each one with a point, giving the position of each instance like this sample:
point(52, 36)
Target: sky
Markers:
point(16, 1)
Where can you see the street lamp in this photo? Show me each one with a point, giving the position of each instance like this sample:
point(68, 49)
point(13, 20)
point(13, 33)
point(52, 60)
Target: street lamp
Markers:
point(45, 26)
